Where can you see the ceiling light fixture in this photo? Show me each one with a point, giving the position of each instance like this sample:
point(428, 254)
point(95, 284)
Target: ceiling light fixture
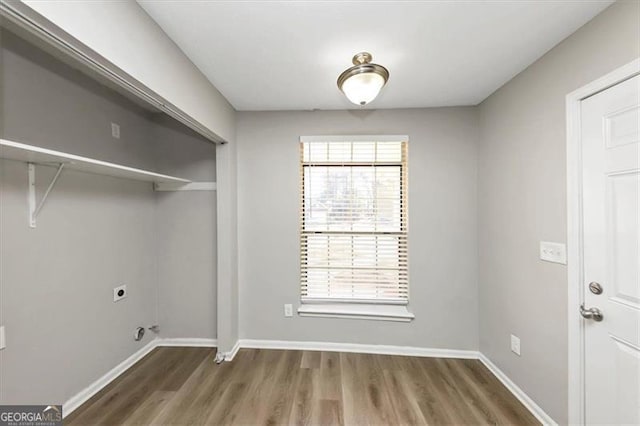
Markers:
point(362, 82)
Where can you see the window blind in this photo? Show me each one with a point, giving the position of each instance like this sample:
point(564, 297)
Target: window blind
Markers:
point(354, 222)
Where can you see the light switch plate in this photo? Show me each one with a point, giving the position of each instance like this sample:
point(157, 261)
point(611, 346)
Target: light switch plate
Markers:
point(553, 252)
point(515, 345)
point(3, 341)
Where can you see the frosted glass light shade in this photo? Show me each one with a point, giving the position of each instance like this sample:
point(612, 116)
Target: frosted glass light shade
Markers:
point(363, 88)
point(362, 82)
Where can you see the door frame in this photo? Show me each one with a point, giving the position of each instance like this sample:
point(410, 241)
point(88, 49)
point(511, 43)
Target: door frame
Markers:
point(575, 266)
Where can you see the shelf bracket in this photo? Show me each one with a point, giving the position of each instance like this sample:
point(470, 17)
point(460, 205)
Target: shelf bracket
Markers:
point(34, 208)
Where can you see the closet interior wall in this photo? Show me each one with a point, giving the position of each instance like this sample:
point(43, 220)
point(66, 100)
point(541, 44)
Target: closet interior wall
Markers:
point(95, 232)
point(186, 224)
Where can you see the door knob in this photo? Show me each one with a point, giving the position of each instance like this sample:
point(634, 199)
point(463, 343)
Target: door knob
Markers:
point(591, 313)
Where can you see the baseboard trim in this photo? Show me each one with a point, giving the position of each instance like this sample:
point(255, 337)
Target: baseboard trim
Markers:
point(358, 348)
point(193, 342)
point(535, 409)
point(232, 353)
point(84, 395)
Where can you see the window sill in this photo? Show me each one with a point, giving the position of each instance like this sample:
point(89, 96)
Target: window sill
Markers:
point(357, 311)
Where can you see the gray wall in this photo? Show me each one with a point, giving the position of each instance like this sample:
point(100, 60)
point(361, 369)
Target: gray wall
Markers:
point(522, 200)
point(186, 235)
point(95, 232)
point(122, 33)
point(442, 223)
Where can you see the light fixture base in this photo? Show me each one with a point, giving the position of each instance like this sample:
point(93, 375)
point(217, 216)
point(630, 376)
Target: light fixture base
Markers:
point(362, 58)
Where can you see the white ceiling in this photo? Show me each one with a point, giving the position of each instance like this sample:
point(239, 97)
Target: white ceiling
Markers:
point(277, 55)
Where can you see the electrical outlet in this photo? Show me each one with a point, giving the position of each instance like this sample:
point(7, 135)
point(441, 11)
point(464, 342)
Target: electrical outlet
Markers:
point(119, 293)
point(288, 310)
point(515, 345)
point(115, 130)
point(553, 252)
point(3, 340)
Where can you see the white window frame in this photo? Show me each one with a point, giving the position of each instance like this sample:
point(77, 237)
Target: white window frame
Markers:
point(356, 310)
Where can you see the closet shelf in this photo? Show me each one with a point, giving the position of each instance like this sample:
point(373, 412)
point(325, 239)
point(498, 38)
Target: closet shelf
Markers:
point(10, 150)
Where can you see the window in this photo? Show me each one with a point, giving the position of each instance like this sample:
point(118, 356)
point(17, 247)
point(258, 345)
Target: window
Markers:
point(354, 221)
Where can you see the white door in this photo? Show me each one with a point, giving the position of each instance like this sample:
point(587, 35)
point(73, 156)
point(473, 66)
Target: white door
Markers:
point(611, 219)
